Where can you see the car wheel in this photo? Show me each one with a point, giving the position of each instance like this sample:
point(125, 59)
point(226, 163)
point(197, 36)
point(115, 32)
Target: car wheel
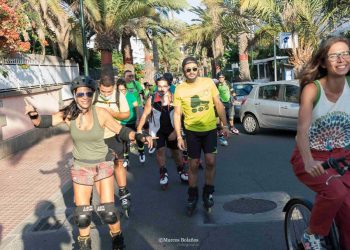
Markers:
point(250, 124)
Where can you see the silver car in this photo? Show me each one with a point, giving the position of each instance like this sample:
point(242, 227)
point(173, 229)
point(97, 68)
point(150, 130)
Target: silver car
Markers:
point(271, 105)
point(242, 90)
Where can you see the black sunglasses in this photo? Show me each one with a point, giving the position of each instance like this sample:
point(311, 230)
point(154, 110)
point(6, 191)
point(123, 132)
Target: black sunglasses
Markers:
point(82, 94)
point(188, 70)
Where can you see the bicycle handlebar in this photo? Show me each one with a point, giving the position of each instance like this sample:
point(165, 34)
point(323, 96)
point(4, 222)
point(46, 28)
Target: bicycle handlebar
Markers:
point(338, 164)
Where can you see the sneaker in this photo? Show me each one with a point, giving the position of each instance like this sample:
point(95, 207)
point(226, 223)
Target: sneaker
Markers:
point(223, 141)
point(233, 130)
point(151, 150)
point(142, 157)
point(311, 241)
point(182, 173)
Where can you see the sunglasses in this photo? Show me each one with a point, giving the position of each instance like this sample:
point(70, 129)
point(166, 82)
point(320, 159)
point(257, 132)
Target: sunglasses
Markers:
point(334, 57)
point(82, 94)
point(188, 70)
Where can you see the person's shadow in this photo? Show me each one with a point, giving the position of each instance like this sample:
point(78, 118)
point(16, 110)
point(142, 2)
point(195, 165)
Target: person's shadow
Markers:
point(48, 232)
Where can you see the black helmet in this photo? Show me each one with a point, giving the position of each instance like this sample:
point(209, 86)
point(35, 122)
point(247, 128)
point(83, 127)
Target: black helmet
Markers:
point(86, 81)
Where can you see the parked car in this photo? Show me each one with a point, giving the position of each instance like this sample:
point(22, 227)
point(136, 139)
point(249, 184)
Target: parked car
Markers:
point(271, 105)
point(242, 90)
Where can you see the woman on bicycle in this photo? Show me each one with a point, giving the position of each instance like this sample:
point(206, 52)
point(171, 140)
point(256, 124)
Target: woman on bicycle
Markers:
point(324, 131)
point(93, 164)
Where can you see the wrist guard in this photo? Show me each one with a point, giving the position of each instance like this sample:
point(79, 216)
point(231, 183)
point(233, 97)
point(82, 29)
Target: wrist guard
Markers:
point(33, 115)
point(124, 133)
point(45, 121)
point(139, 137)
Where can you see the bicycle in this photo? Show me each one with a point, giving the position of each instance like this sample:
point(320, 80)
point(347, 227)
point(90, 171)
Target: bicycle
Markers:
point(298, 211)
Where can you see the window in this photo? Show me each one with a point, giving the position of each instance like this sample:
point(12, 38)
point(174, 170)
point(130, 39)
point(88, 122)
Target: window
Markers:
point(291, 94)
point(269, 92)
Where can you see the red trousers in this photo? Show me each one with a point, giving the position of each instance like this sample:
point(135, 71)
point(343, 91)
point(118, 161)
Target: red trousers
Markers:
point(332, 201)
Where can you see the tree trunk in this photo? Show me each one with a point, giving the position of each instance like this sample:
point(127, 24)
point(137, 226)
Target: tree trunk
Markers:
point(155, 54)
point(205, 66)
point(127, 52)
point(244, 72)
point(149, 68)
point(106, 66)
point(217, 43)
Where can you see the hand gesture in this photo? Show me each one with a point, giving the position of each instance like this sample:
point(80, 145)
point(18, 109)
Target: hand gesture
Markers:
point(226, 132)
point(28, 108)
point(181, 143)
point(314, 168)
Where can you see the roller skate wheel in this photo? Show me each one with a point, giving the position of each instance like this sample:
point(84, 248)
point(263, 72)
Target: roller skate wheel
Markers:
point(164, 186)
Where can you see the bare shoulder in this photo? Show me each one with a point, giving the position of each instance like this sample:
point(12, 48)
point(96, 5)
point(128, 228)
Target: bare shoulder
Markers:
point(101, 112)
point(309, 93)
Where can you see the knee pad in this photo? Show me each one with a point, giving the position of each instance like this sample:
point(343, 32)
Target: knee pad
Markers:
point(107, 212)
point(82, 215)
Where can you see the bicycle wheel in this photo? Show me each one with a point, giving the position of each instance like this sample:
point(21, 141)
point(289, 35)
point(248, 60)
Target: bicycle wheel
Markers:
point(332, 239)
point(296, 220)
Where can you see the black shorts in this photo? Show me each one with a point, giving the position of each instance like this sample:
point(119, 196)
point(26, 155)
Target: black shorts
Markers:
point(116, 145)
point(163, 141)
point(198, 141)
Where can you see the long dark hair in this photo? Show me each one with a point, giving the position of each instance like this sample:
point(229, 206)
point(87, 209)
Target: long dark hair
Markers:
point(314, 70)
point(72, 111)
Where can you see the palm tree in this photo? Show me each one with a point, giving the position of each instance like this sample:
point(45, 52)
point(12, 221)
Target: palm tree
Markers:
point(108, 17)
point(155, 21)
point(206, 34)
point(49, 17)
point(309, 19)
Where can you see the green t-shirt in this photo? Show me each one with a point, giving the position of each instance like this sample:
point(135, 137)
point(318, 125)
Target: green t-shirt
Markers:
point(134, 87)
point(132, 118)
point(224, 92)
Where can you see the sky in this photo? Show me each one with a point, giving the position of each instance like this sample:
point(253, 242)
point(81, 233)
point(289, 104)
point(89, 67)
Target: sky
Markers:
point(186, 16)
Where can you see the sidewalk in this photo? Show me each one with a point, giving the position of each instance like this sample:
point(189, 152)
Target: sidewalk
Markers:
point(29, 177)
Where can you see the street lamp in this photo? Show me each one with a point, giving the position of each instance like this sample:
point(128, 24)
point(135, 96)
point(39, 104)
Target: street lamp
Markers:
point(86, 69)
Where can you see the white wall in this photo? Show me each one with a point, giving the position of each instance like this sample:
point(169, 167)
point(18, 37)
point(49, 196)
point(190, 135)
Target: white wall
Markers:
point(35, 70)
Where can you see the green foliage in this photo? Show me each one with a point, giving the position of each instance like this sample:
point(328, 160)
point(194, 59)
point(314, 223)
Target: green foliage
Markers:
point(169, 53)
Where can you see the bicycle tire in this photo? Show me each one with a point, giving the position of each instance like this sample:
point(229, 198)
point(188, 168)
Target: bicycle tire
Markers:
point(332, 239)
point(296, 220)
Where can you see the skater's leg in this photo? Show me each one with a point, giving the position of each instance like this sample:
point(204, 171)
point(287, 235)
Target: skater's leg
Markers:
point(109, 212)
point(82, 195)
point(161, 158)
point(120, 173)
point(210, 160)
point(107, 196)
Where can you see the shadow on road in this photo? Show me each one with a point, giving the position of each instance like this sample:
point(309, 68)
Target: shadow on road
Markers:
point(47, 232)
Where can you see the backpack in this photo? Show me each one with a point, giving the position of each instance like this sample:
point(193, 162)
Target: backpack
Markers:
point(117, 98)
point(135, 87)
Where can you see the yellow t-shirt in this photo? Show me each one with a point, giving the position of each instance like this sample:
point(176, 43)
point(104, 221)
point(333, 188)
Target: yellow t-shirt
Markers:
point(124, 107)
point(196, 102)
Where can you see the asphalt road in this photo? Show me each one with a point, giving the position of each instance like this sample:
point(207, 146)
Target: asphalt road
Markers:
point(253, 182)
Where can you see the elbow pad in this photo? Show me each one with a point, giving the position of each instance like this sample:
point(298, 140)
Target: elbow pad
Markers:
point(124, 133)
point(45, 121)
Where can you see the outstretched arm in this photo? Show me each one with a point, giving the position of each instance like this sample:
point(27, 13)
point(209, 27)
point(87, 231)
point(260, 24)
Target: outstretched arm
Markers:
point(147, 110)
point(43, 121)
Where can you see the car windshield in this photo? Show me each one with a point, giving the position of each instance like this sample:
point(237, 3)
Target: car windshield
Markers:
point(242, 89)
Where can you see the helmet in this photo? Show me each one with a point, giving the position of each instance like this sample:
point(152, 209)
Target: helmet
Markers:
point(83, 82)
point(157, 76)
point(220, 74)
